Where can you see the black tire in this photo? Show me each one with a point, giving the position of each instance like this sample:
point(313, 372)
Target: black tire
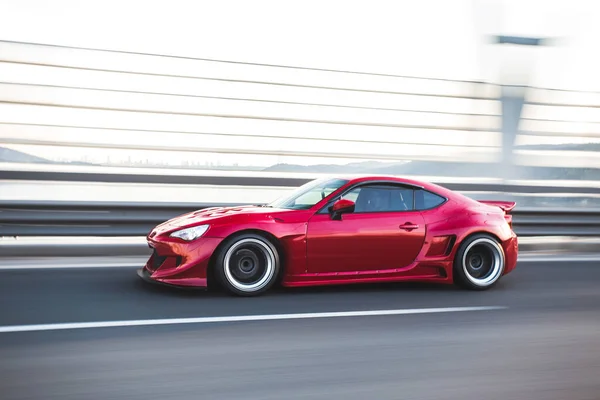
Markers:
point(479, 263)
point(247, 264)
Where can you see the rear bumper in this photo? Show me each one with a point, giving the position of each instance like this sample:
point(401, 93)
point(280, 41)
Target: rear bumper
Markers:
point(511, 253)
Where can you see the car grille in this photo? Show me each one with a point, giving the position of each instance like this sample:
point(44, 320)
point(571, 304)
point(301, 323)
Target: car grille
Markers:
point(156, 260)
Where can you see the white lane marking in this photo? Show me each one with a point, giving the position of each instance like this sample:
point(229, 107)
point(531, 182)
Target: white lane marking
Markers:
point(239, 318)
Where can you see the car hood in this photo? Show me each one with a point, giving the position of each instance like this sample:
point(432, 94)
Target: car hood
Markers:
point(207, 215)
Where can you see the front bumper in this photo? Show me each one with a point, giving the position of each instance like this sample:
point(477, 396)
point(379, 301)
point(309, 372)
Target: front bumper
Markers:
point(147, 276)
point(179, 264)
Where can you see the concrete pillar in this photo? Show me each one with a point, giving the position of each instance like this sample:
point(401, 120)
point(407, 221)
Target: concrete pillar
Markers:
point(512, 99)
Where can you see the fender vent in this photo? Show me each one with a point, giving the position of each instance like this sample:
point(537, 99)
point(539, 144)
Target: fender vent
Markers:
point(441, 246)
point(451, 243)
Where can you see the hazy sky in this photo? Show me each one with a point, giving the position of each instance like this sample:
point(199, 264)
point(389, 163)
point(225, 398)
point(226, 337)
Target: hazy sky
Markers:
point(423, 38)
point(443, 38)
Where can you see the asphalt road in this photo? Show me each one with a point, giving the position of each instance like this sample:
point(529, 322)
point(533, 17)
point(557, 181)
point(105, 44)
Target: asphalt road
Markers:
point(544, 345)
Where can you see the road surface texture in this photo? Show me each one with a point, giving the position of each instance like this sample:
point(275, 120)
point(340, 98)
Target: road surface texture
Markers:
point(544, 343)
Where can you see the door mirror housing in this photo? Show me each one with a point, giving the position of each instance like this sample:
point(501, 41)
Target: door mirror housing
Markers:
point(342, 206)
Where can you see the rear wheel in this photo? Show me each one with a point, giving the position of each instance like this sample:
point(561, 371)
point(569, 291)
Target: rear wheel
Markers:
point(479, 262)
point(248, 264)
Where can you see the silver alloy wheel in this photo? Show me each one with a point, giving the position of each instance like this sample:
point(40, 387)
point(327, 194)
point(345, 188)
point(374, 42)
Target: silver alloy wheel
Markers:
point(483, 262)
point(249, 265)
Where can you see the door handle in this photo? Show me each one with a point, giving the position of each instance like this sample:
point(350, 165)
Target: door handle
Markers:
point(409, 226)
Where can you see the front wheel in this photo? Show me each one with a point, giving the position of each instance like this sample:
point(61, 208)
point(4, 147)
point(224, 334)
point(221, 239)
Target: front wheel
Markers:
point(248, 265)
point(479, 262)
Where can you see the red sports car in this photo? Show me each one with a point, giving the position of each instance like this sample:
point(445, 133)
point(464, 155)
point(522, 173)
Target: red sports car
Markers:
point(339, 231)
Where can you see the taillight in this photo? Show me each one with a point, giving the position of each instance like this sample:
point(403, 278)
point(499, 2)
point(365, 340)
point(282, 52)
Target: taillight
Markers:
point(509, 220)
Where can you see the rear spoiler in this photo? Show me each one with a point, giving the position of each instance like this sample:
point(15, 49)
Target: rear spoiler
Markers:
point(506, 206)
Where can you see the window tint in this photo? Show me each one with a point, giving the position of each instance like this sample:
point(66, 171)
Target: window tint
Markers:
point(309, 194)
point(352, 195)
point(381, 198)
point(425, 200)
point(309, 199)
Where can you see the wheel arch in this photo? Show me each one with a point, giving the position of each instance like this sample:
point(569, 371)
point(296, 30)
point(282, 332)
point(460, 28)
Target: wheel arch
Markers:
point(210, 272)
point(474, 233)
point(459, 243)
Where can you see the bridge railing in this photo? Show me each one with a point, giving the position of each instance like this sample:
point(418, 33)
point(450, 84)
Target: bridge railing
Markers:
point(135, 218)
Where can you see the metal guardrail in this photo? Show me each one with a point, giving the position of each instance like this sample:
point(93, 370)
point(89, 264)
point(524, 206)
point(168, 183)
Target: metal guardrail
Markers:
point(87, 218)
point(136, 219)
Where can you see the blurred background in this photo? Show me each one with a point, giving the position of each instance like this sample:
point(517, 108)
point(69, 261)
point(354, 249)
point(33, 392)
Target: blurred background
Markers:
point(141, 101)
point(117, 115)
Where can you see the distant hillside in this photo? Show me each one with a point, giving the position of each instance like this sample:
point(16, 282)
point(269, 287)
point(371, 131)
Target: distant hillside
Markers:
point(10, 155)
point(352, 168)
point(566, 147)
point(431, 168)
point(455, 169)
point(405, 168)
point(417, 168)
point(447, 169)
point(14, 156)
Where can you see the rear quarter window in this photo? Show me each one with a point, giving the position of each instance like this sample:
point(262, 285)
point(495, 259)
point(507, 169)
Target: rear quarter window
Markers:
point(426, 200)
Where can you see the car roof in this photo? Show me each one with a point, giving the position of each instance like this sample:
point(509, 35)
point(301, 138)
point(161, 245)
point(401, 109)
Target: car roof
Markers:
point(432, 187)
point(393, 179)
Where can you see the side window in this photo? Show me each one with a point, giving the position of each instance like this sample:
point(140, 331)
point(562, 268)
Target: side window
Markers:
point(407, 196)
point(352, 195)
point(312, 197)
point(308, 198)
point(425, 200)
point(381, 198)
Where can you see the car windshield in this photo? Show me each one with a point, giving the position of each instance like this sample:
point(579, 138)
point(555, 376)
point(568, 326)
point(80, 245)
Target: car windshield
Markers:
point(309, 194)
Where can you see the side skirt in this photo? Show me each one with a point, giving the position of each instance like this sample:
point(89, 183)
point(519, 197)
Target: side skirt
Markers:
point(438, 272)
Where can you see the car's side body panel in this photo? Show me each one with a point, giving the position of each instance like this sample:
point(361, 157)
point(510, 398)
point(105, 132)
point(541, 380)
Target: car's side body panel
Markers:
point(364, 242)
point(360, 247)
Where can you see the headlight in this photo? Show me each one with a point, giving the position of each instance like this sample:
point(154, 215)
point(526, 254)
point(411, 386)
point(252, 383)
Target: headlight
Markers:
point(190, 233)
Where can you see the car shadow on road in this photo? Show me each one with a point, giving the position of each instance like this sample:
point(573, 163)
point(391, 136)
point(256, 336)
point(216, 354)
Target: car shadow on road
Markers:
point(370, 287)
point(214, 291)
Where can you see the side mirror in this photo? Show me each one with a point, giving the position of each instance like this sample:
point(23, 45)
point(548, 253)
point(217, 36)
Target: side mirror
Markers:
point(340, 207)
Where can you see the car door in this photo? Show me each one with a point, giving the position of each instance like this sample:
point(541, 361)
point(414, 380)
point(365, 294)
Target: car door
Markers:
point(384, 232)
